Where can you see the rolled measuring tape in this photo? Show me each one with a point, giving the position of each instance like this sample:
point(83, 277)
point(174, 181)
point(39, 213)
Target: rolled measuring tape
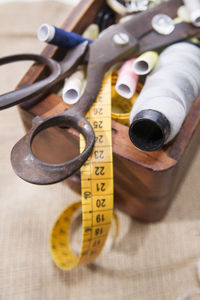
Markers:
point(97, 192)
point(121, 107)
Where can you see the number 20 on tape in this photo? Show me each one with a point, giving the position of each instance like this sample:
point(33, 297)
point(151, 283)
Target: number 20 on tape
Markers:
point(97, 192)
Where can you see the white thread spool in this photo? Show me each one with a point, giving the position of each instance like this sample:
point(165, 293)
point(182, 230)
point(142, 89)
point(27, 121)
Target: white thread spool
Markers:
point(193, 7)
point(46, 33)
point(184, 14)
point(166, 97)
point(178, 78)
point(182, 48)
point(73, 86)
point(117, 7)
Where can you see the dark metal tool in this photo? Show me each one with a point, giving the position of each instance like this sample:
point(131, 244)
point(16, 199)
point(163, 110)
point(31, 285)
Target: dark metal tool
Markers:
point(116, 43)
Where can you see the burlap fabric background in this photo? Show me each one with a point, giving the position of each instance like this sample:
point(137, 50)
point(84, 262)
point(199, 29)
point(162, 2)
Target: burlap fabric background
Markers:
point(149, 261)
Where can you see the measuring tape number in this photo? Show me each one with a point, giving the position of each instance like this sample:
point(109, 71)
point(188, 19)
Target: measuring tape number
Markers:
point(97, 192)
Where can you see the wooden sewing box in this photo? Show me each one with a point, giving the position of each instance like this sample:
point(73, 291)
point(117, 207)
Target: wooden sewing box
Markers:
point(145, 183)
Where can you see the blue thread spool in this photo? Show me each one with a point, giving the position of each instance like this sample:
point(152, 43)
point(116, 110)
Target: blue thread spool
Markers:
point(59, 37)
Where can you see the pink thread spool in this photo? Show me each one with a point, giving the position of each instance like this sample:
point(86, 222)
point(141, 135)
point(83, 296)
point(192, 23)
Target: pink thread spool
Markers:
point(127, 80)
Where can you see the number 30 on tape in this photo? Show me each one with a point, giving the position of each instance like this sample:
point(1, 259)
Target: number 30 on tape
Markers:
point(97, 192)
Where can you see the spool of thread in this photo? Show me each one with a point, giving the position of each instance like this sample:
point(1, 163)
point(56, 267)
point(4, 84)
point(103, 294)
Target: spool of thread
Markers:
point(59, 37)
point(184, 14)
point(180, 48)
point(193, 7)
point(121, 107)
point(127, 80)
point(145, 63)
point(73, 86)
point(166, 97)
point(124, 19)
point(91, 32)
point(117, 7)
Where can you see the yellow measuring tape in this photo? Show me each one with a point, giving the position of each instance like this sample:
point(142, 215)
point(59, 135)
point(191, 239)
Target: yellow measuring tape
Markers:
point(97, 192)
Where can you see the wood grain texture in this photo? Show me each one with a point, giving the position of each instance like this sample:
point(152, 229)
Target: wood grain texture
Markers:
point(144, 182)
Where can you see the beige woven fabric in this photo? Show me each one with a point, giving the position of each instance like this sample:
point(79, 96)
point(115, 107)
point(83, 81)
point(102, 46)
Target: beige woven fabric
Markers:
point(149, 261)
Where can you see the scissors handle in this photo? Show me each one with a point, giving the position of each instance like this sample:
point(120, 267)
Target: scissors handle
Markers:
point(25, 163)
point(58, 71)
point(20, 95)
point(102, 54)
point(29, 167)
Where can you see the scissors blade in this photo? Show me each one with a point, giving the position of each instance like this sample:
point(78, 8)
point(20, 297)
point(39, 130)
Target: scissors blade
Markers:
point(181, 32)
point(141, 24)
point(106, 50)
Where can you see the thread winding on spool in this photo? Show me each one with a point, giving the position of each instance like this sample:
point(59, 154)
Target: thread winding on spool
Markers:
point(121, 107)
point(193, 7)
point(73, 86)
point(117, 7)
point(59, 37)
point(127, 80)
point(145, 63)
point(91, 32)
point(184, 14)
point(166, 98)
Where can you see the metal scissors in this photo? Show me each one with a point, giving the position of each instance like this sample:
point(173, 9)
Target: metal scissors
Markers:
point(116, 43)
